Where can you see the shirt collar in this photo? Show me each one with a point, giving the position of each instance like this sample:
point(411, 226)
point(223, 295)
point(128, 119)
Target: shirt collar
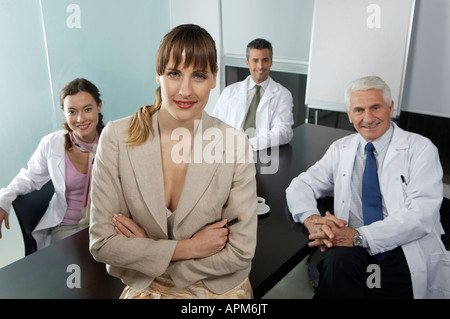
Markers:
point(264, 84)
point(380, 143)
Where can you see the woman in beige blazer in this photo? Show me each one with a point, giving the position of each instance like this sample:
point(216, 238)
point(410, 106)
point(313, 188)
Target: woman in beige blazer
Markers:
point(167, 180)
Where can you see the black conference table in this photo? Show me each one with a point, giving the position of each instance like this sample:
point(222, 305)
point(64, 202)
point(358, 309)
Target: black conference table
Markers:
point(282, 243)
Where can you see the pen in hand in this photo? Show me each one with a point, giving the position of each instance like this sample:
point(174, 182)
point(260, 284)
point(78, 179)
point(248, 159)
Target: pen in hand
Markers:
point(233, 221)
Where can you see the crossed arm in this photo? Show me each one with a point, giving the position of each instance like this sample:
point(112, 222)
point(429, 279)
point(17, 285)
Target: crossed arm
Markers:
point(208, 241)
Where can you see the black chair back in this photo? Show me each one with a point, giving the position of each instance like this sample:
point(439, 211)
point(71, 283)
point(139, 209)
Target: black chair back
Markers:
point(29, 210)
point(445, 221)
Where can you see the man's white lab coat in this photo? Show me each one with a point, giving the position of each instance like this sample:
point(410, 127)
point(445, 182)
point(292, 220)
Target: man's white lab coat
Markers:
point(413, 220)
point(274, 117)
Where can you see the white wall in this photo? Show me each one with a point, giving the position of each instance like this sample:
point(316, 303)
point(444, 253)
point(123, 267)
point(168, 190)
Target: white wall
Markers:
point(285, 23)
point(25, 101)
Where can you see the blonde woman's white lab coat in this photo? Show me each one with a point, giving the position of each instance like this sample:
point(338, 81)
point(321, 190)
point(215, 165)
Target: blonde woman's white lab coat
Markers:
point(274, 117)
point(46, 163)
point(413, 220)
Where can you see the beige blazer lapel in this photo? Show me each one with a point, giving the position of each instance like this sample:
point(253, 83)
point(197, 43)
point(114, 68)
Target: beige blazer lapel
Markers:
point(199, 173)
point(147, 167)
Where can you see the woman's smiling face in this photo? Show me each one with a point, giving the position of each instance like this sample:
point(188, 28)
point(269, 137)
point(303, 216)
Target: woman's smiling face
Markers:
point(81, 112)
point(185, 90)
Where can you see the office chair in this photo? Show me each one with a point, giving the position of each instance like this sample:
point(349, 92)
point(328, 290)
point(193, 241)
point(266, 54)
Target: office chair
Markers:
point(29, 210)
point(445, 221)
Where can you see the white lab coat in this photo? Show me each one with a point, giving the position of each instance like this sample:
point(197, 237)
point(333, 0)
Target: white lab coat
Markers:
point(274, 117)
point(46, 163)
point(413, 207)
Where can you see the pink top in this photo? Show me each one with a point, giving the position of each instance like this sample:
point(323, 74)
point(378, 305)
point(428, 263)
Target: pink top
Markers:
point(75, 182)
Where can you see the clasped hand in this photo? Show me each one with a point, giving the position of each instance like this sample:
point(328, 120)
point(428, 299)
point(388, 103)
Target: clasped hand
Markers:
point(328, 231)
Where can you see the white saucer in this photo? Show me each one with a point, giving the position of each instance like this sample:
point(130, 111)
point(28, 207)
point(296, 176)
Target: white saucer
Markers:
point(263, 210)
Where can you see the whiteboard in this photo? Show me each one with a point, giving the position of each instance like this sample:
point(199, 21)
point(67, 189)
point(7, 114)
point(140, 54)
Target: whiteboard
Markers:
point(355, 38)
point(427, 84)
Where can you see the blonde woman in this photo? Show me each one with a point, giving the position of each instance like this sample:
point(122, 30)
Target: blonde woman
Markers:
point(159, 207)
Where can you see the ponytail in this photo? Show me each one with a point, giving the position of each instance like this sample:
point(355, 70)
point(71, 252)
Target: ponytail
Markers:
point(141, 122)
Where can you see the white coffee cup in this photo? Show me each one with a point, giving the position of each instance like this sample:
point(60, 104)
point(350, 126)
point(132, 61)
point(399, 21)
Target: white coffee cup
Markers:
point(262, 207)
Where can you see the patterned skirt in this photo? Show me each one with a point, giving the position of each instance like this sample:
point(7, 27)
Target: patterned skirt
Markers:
point(164, 288)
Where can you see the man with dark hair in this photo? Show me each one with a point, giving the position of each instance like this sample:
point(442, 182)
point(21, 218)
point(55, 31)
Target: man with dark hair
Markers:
point(258, 105)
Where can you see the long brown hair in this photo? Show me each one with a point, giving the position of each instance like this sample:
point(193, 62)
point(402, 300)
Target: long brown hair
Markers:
point(71, 88)
point(200, 50)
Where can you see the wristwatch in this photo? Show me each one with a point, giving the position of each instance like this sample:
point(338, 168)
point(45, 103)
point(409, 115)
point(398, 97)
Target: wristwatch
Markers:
point(357, 239)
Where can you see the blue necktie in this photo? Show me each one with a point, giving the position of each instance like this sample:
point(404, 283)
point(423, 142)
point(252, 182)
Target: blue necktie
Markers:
point(371, 194)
